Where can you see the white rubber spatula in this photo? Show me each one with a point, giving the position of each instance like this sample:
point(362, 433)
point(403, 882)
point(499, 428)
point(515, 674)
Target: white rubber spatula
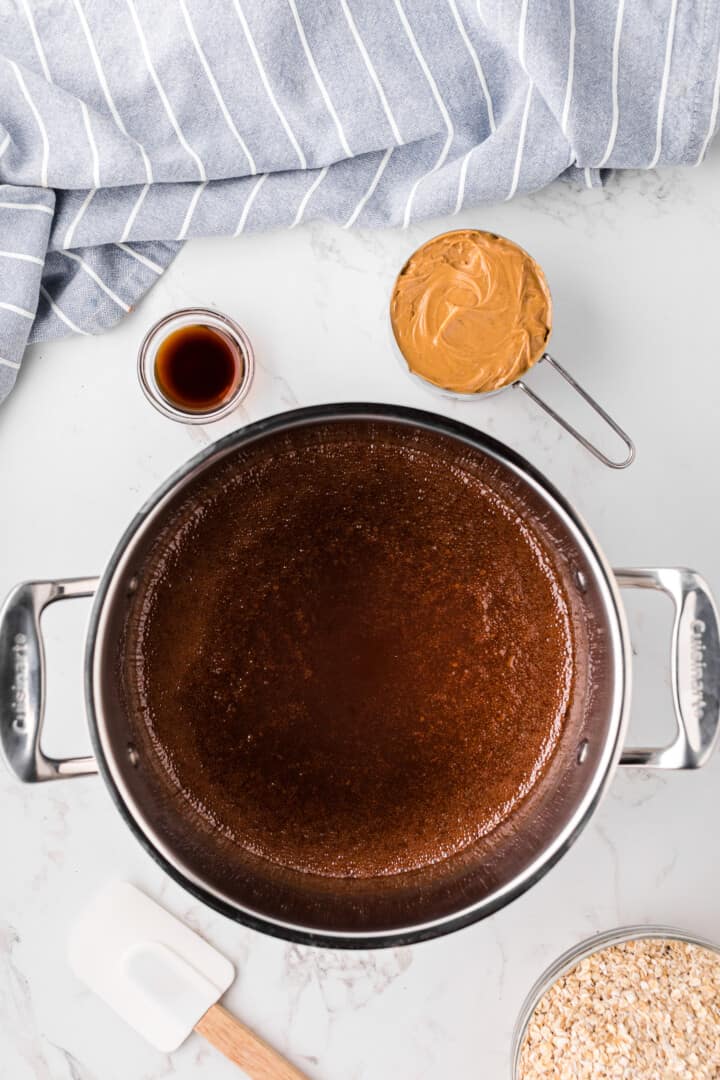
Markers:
point(163, 979)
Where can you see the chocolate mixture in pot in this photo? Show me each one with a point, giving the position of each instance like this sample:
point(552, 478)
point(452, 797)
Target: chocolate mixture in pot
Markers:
point(354, 658)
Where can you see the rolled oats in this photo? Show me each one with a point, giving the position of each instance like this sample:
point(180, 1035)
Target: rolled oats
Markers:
point(647, 1009)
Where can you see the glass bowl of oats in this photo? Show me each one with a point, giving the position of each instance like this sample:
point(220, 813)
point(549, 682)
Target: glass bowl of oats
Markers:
point(642, 1002)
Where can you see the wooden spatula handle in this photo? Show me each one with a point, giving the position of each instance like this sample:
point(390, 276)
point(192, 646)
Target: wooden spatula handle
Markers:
point(244, 1047)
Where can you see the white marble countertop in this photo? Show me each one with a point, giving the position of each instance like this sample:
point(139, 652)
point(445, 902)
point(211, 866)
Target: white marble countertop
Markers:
point(633, 270)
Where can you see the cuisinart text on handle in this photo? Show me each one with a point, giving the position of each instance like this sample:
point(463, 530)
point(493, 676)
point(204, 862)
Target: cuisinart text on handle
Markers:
point(697, 666)
point(20, 684)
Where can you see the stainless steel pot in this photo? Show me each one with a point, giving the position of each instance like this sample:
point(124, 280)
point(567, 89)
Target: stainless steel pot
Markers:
point(405, 907)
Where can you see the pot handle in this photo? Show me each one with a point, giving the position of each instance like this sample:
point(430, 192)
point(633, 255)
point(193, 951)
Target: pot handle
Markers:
point(594, 405)
point(22, 680)
point(694, 668)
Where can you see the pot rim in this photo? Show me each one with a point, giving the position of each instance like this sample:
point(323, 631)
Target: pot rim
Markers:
point(620, 652)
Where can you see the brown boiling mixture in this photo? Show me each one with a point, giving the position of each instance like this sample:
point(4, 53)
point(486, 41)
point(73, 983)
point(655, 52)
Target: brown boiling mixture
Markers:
point(354, 658)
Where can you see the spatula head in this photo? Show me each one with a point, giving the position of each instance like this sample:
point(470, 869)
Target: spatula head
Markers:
point(149, 967)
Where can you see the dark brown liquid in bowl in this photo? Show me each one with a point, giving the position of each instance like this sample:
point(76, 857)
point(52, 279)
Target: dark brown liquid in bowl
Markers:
point(354, 658)
point(198, 367)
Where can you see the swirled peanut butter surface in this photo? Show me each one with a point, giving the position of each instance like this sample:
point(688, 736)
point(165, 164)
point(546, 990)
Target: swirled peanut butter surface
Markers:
point(471, 311)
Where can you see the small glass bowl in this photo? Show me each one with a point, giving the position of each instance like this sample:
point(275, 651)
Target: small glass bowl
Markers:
point(176, 320)
point(582, 951)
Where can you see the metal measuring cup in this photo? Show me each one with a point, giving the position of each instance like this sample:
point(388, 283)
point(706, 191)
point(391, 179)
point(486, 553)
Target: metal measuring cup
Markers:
point(543, 357)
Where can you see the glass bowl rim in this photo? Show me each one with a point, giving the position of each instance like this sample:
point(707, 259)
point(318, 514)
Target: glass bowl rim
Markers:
point(161, 329)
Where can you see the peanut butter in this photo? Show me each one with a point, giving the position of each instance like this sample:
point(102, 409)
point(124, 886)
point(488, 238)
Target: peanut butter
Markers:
point(471, 311)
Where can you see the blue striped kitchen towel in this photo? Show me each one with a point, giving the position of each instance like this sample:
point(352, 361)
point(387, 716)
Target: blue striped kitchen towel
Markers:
point(127, 126)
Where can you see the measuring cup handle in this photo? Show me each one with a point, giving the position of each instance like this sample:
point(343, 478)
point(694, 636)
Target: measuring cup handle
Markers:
point(594, 450)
